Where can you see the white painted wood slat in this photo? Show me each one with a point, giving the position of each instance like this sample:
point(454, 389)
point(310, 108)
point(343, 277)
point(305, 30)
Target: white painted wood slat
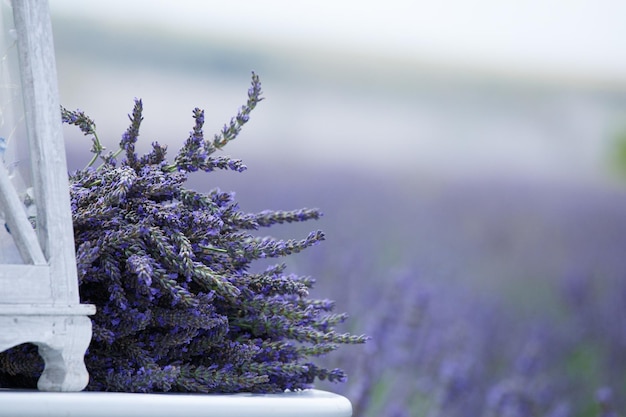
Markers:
point(47, 150)
point(21, 230)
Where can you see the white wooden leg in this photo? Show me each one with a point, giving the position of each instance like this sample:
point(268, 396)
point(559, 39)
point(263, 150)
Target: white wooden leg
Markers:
point(64, 354)
point(62, 341)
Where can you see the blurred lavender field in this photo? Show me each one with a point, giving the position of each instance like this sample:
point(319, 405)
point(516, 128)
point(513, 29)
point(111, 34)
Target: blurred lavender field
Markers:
point(474, 228)
point(482, 298)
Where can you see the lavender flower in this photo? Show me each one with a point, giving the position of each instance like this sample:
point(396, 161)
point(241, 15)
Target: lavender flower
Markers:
point(168, 269)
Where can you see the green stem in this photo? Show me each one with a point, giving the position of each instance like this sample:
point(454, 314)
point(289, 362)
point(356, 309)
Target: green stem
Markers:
point(98, 147)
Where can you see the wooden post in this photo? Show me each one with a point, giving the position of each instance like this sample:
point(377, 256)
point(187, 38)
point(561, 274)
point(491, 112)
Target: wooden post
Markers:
point(47, 150)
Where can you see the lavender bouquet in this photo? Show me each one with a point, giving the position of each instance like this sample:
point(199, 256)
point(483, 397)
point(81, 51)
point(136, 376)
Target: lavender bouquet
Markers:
point(168, 269)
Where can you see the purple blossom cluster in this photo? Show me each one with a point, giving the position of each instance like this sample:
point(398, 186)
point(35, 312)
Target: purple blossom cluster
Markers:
point(168, 268)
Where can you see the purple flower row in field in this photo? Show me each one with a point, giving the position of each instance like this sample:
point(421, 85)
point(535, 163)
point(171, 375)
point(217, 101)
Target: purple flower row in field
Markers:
point(481, 299)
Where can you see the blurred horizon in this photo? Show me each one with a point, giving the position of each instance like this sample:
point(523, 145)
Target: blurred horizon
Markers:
point(580, 38)
point(343, 109)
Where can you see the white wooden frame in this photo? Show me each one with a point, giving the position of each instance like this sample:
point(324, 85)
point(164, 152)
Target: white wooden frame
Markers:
point(39, 300)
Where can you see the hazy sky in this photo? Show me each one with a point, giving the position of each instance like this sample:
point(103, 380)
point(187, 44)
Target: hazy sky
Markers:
point(571, 37)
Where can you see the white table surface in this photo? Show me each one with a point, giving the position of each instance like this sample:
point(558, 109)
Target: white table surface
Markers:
point(307, 403)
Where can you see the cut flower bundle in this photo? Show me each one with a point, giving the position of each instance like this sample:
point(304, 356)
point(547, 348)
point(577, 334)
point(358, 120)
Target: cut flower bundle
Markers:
point(168, 270)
